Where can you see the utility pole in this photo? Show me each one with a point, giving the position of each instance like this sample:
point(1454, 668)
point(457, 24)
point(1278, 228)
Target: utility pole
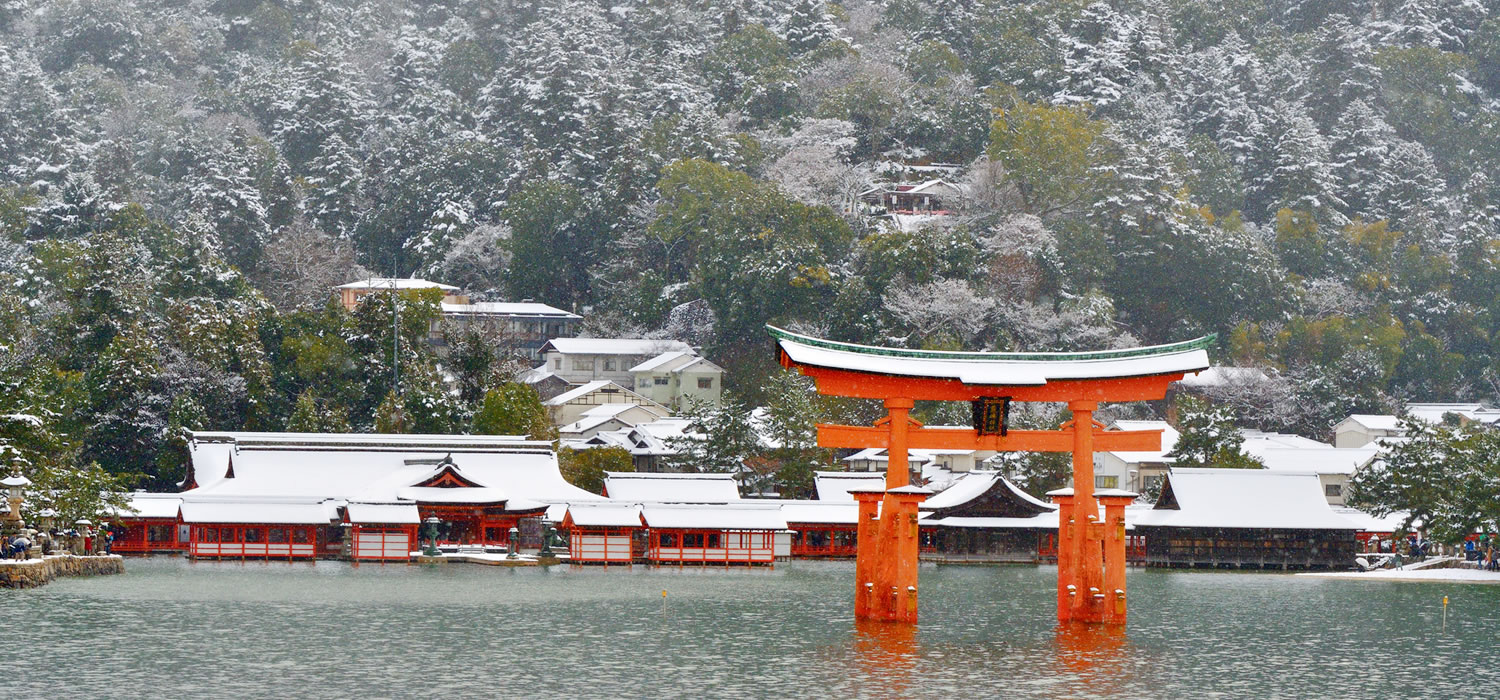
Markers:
point(395, 333)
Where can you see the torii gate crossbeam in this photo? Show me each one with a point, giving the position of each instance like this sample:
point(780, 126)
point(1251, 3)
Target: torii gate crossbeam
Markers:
point(1091, 552)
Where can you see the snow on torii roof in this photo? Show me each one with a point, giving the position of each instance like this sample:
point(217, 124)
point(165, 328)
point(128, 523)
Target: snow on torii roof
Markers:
point(995, 368)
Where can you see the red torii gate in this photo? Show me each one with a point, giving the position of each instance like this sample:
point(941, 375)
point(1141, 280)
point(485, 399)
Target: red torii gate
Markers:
point(1091, 552)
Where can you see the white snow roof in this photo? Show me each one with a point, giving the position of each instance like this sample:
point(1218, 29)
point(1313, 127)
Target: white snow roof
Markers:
point(615, 346)
point(1374, 422)
point(821, 512)
point(384, 469)
point(1169, 436)
point(608, 388)
point(1369, 523)
point(270, 511)
point(877, 454)
point(384, 513)
point(666, 360)
point(740, 516)
point(1245, 498)
point(973, 484)
point(1330, 460)
point(994, 369)
point(671, 488)
point(397, 283)
point(151, 505)
point(1040, 521)
point(605, 514)
point(835, 486)
point(1257, 442)
point(508, 308)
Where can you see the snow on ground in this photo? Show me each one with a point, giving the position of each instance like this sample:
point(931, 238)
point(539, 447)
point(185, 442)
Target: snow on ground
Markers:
point(1450, 575)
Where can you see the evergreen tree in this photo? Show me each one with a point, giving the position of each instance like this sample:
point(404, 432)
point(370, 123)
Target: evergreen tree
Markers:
point(1208, 437)
point(586, 469)
point(513, 409)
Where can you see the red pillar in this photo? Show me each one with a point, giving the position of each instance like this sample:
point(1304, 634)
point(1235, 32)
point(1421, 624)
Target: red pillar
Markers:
point(1067, 568)
point(867, 551)
point(1114, 553)
point(1087, 530)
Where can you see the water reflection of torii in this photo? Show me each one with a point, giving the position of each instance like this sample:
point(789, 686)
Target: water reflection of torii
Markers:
point(1091, 552)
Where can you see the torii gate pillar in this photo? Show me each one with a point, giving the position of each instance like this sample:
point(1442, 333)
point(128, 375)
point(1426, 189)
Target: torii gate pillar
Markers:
point(885, 565)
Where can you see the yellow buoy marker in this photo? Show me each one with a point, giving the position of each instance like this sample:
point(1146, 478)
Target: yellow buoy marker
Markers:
point(1445, 611)
point(664, 603)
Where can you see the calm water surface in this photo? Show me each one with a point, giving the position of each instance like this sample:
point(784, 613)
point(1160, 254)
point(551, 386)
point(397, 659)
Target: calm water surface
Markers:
point(169, 628)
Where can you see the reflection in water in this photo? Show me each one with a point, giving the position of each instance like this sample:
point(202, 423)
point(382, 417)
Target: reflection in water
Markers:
point(1091, 651)
point(887, 653)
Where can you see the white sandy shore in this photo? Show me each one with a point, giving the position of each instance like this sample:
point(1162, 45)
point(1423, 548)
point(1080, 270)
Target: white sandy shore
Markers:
point(1449, 575)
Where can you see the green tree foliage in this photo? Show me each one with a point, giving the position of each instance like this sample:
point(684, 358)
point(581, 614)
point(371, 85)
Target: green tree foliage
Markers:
point(586, 468)
point(1444, 478)
point(1051, 153)
point(512, 408)
point(1208, 437)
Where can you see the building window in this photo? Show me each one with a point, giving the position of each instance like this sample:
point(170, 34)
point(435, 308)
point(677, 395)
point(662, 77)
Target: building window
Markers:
point(300, 536)
point(208, 534)
point(659, 381)
point(557, 363)
point(253, 535)
point(713, 540)
point(582, 365)
point(705, 382)
point(1106, 482)
point(278, 535)
point(226, 534)
point(1333, 490)
point(668, 539)
point(692, 539)
point(609, 364)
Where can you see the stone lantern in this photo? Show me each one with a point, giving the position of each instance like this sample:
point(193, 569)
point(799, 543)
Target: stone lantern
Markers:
point(515, 544)
point(15, 488)
point(431, 523)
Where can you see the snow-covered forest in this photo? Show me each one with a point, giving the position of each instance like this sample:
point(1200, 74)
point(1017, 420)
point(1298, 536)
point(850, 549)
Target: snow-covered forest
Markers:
point(182, 181)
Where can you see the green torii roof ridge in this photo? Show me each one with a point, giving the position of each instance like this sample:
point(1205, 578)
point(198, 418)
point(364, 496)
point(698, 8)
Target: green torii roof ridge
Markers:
point(1200, 343)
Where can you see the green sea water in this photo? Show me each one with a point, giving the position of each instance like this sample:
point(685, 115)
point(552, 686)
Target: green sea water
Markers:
point(170, 628)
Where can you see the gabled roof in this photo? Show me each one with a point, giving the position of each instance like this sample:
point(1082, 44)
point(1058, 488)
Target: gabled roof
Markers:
point(396, 283)
point(821, 512)
point(671, 488)
point(994, 368)
point(614, 346)
point(158, 506)
point(1241, 499)
point(604, 514)
point(383, 513)
point(608, 388)
point(835, 486)
point(664, 362)
point(985, 494)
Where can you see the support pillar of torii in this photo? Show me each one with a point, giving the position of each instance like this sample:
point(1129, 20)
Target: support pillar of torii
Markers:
point(1091, 550)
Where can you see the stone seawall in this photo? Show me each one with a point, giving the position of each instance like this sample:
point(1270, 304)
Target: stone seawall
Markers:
point(38, 572)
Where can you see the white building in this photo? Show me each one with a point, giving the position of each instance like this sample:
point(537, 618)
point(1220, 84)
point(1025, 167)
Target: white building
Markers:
point(581, 360)
point(678, 378)
point(570, 406)
point(1135, 471)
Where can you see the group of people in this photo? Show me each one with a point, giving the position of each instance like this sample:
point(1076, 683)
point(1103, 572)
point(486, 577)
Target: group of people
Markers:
point(19, 545)
point(1484, 553)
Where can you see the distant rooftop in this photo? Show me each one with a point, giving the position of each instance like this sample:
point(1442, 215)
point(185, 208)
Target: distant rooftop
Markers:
point(615, 346)
point(509, 308)
point(374, 283)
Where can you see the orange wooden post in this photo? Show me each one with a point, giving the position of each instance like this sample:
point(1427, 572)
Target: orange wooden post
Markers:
point(897, 470)
point(1114, 552)
point(1087, 530)
point(1067, 570)
point(866, 552)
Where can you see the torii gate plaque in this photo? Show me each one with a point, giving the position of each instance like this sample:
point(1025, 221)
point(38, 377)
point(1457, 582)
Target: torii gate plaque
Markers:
point(1091, 552)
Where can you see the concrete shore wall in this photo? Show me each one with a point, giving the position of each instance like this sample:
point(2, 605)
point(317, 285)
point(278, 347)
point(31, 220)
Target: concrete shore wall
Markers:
point(38, 572)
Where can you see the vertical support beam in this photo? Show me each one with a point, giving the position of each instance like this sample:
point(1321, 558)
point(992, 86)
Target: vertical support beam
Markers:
point(897, 470)
point(1067, 568)
point(1088, 531)
point(867, 552)
point(1114, 553)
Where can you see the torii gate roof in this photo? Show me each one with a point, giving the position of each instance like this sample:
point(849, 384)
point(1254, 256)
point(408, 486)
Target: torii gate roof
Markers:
point(1013, 369)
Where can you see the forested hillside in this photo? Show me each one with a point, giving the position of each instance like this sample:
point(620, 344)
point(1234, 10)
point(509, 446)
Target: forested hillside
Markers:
point(184, 180)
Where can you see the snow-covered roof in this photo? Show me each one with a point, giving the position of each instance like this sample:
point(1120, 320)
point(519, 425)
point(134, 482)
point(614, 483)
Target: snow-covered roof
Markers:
point(605, 514)
point(1243, 498)
point(740, 516)
point(1040, 521)
point(877, 454)
point(974, 484)
point(260, 510)
point(1373, 421)
point(524, 309)
point(664, 361)
point(671, 488)
point(1330, 460)
point(1169, 436)
point(383, 513)
point(385, 469)
point(160, 506)
point(1369, 523)
point(607, 388)
point(993, 368)
point(821, 512)
point(835, 486)
point(397, 283)
point(615, 346)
